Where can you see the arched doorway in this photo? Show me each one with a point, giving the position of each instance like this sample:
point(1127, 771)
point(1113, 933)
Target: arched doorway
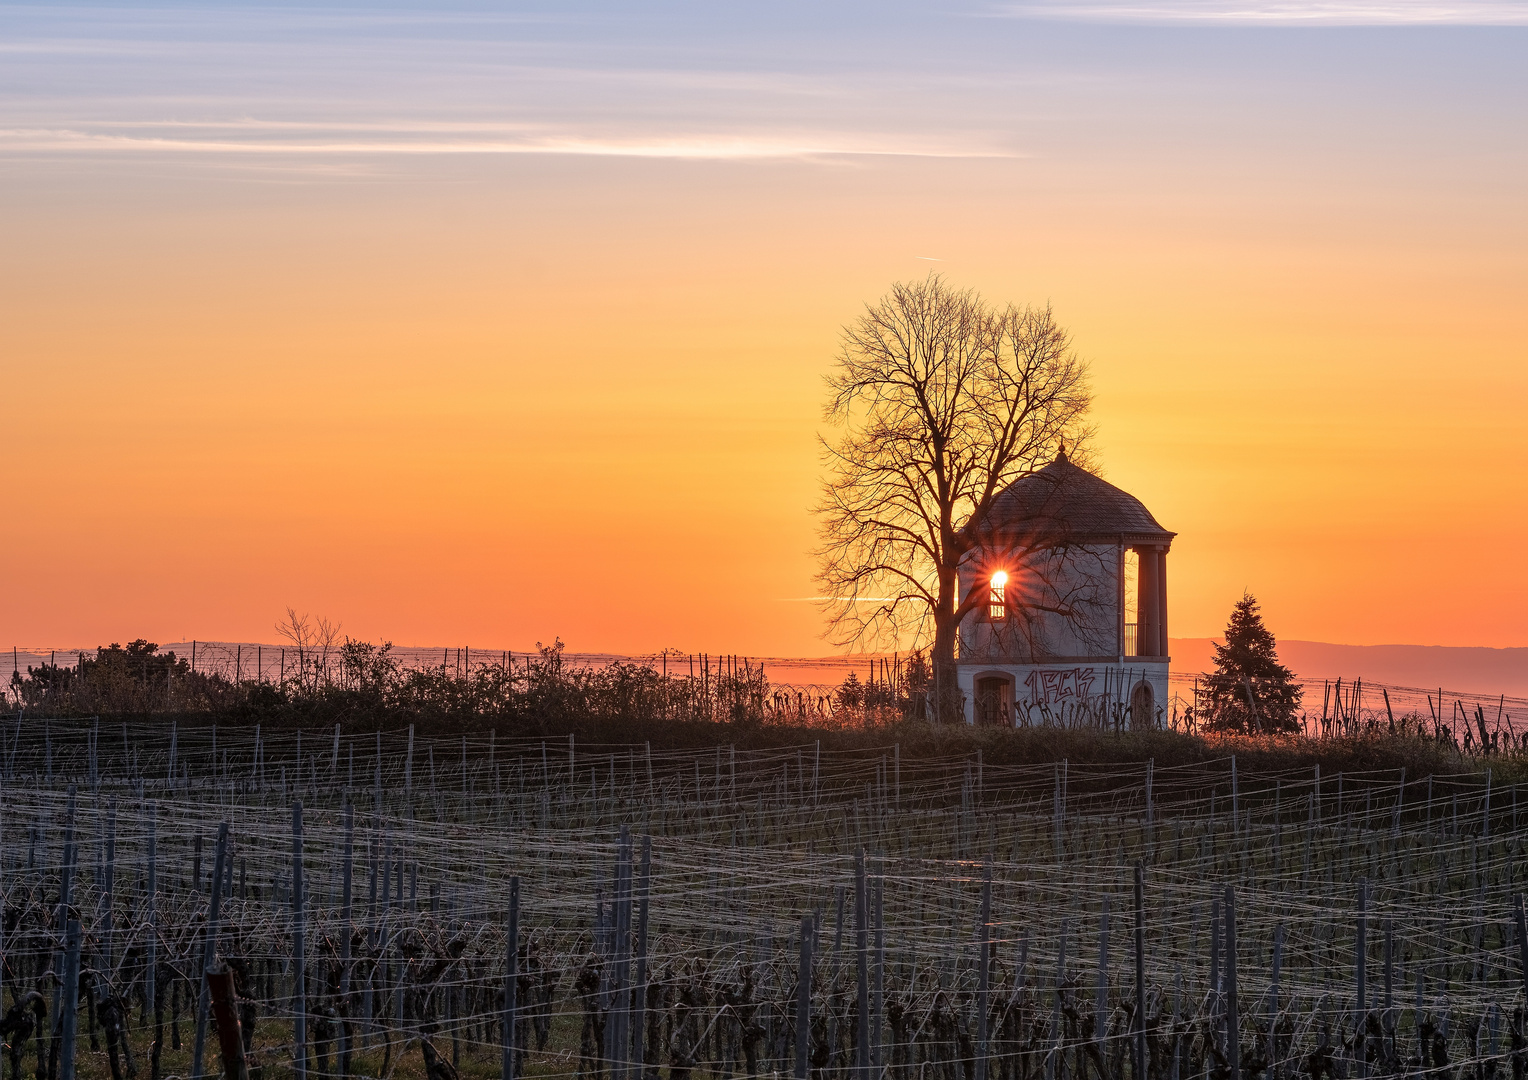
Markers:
point(1143, 707)
point(994, 700)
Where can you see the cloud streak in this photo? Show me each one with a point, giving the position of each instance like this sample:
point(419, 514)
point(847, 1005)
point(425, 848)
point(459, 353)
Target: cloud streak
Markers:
point(276, 138)
point(212, 87)
point(1292, 13)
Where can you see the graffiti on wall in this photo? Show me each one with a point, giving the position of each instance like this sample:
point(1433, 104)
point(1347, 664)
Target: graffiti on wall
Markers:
point(1049, 687)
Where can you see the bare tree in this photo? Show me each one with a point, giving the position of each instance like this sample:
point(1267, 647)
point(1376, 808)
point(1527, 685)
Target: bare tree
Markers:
point(314, 639)
point(943, 401)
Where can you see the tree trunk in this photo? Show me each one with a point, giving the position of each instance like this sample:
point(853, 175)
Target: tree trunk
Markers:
point(224, 999)
point(947, 706)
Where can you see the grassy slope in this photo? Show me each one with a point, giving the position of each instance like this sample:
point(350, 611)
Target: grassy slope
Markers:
point(924, 742)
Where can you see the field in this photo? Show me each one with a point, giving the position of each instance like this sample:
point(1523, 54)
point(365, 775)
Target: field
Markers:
point(964, 918)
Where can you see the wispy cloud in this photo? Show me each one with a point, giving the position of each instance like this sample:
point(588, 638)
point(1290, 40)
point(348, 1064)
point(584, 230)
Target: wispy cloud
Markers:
point(239, 84)
point(264, 137)
point(212, 87)
point(1286, 12)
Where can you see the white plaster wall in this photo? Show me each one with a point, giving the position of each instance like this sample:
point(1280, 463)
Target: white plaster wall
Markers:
point(1086, 576)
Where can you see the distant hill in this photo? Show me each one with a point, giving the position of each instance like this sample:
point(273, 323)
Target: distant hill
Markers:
point(1486, 672)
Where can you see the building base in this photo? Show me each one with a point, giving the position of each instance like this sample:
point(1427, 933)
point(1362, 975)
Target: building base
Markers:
point(1127, 693)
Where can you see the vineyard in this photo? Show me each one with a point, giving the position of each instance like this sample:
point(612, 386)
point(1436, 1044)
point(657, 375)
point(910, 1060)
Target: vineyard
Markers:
point(195, 902)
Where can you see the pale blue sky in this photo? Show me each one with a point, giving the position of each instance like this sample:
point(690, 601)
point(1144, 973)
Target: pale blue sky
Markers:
point(1089, 80)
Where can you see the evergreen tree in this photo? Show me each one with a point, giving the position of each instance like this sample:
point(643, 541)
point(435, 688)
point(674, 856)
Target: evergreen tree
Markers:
point(851, 692)
point(1249, 690)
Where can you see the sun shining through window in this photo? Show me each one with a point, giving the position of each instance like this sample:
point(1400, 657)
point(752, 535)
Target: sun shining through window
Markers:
point(997, 596)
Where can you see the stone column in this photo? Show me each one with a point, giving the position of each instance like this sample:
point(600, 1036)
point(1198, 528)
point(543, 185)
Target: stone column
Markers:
point(1162, 647)
point(1119, 620)
point(1147, 620)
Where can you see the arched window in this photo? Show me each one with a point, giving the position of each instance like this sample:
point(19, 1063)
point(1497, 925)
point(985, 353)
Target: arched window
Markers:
point(1132, 593)
point(997, 596)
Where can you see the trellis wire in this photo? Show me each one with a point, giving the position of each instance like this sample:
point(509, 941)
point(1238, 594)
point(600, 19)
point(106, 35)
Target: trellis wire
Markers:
point(970, 891)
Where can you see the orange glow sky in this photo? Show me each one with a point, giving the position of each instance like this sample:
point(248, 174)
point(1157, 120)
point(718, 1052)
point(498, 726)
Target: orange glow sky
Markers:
point(487, 335)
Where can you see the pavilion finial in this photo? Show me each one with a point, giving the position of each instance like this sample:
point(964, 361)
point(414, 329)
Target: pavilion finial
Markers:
point(1061, 452)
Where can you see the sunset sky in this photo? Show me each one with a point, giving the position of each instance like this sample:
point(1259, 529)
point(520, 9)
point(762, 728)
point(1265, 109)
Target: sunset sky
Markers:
point(486, 323)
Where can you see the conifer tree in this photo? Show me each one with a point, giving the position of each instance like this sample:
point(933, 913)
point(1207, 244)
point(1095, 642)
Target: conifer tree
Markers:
point(851, 692)
point(1249, 690)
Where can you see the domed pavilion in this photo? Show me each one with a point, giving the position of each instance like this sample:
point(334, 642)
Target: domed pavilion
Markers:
point(1056, 639)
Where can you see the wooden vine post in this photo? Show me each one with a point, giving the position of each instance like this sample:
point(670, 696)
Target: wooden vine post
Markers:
point(299, 971)
point(639, 1010)
point(511, 980)
point(1361, 968)
point(209, 949)
point(346, 929)
point(862, 969)
point(983, 977)
point(1522, 939)
point(1140, 971)
point(804, 999)
point(1233, 1021)
point(69, 1020)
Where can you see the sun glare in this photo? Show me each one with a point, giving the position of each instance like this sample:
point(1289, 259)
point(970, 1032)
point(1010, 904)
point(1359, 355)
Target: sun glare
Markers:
point(997, 596)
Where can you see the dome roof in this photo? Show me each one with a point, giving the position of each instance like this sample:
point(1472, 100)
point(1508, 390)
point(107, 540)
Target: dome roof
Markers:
point(1073, 502)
